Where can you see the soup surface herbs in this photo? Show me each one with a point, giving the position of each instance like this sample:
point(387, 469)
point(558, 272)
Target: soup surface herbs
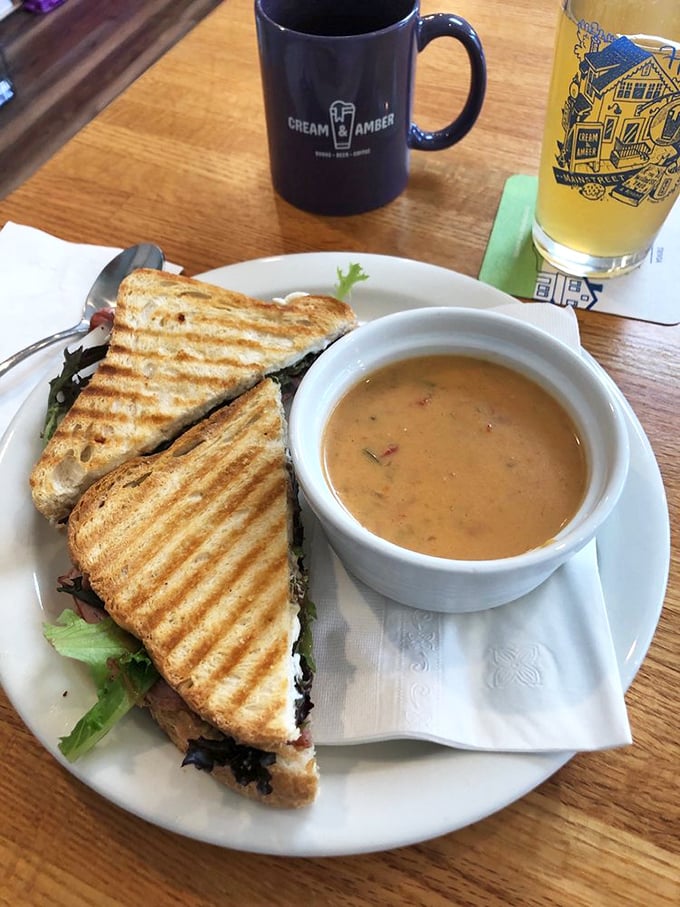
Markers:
point(455, 456)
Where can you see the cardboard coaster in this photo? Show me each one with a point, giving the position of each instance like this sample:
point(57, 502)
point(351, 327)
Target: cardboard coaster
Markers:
point(511, 263)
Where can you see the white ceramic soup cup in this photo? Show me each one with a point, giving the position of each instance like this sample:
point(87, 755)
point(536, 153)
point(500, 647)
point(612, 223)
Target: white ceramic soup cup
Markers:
point(436, 583)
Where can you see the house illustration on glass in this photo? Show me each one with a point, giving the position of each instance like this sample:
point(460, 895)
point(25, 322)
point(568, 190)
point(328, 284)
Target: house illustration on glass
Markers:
point(621, 123)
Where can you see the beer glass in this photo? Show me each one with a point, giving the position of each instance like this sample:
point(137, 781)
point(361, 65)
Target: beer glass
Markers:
point(610, 163)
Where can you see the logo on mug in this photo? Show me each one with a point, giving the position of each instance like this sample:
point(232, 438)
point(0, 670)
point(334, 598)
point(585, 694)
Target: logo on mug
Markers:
point(344, 128)
point(342, 123)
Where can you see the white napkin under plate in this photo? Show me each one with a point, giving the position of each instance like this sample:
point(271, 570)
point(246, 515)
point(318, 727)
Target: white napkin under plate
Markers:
point(536, 675)
point(43, 284)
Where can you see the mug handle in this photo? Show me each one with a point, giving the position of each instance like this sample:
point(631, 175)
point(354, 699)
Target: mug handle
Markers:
point(440, 25)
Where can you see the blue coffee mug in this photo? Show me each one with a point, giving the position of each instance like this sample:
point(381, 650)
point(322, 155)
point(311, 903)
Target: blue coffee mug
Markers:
point(337, 80)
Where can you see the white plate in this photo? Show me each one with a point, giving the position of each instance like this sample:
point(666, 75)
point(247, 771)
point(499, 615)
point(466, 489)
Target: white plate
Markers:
point(372, 797)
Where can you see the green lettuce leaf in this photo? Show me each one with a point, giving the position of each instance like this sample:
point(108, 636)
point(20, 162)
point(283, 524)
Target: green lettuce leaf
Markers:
point(121, 669)
point(355, 274)
point(68, 384)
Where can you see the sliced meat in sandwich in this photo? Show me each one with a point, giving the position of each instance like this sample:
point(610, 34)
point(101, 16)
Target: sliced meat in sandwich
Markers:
point(179, 348)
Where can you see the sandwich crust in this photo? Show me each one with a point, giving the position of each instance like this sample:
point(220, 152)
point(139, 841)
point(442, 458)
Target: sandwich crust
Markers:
point(190, 550)
point(294, 774)
point(179, 348)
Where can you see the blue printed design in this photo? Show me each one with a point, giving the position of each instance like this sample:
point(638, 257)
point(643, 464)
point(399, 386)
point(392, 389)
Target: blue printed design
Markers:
point(621, 121)
point(566, 290)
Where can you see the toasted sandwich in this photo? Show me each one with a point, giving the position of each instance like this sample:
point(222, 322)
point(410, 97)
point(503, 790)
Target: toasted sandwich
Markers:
point(195, 552)
point(179, 348)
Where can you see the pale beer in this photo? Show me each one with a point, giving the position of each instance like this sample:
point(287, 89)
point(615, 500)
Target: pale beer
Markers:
point(610, 164)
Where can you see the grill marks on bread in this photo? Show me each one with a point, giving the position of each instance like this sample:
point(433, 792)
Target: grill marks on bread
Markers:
point(189, 549)
point(179, 348)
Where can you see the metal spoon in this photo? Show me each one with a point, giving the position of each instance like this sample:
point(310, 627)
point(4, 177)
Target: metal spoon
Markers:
point(103, 293)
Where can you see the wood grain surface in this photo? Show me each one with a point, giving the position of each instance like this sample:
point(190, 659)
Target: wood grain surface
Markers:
point(68, 65)
point(180, 158)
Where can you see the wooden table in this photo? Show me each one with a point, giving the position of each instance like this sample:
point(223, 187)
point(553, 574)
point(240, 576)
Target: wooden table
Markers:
point(181, 159)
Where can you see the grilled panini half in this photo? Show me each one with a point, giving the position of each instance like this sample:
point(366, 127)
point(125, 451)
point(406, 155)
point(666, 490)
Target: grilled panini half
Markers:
point(179, 348)
point(194, 551)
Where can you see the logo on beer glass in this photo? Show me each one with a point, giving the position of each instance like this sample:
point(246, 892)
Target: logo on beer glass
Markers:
point(342, 124)
point(620, 120)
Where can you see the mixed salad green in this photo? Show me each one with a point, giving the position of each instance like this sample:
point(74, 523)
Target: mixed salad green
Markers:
point(121, 670)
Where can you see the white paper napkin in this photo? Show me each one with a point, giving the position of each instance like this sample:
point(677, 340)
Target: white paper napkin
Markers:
point(537, 675)
point(43, 284)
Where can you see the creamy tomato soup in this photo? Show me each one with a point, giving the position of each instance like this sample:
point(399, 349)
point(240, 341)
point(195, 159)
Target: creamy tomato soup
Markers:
point(455, 456)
